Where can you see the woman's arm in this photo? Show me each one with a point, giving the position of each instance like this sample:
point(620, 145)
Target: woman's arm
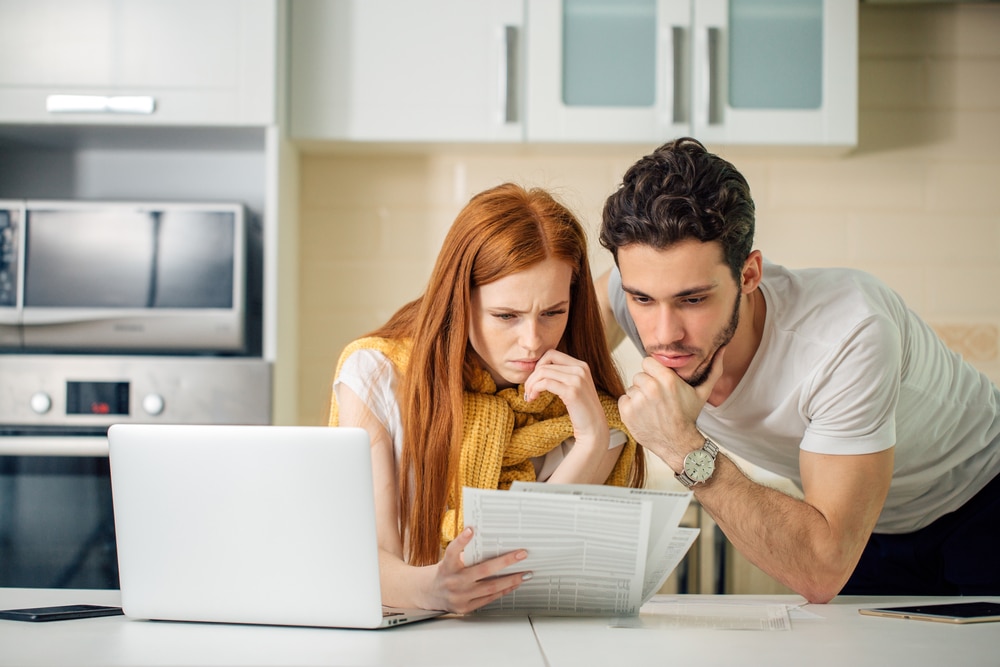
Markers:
point(590, 460)
point(447, 585)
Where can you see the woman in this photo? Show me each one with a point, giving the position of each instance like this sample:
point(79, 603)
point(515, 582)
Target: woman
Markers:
point(499, 372)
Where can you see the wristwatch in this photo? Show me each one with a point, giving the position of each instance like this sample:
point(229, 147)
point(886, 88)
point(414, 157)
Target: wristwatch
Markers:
point(699, 464)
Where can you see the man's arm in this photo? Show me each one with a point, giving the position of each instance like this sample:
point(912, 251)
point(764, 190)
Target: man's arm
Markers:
point(810, 545)
point(612, 331)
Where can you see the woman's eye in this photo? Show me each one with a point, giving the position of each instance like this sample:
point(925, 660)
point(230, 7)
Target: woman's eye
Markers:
point(554, 313)
point(504, 316)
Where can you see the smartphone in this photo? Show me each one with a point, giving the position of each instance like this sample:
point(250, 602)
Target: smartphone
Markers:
point(953, 612)
point(59, 613)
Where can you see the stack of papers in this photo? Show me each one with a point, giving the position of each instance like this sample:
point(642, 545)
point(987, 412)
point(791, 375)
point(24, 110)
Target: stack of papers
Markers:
point(592, 550)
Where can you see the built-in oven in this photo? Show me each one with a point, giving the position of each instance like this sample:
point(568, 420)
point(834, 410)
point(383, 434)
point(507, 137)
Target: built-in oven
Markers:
point(112, 312)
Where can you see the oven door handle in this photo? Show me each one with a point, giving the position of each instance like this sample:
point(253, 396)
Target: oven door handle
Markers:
point(53, 445)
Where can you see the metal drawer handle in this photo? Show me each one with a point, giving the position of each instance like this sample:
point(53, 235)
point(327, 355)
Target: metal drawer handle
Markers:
point(712, 81)
point(508, 79)
point(127, 104)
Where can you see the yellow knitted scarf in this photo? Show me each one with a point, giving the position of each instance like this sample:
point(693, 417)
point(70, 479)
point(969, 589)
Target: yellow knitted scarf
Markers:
point(501, 432)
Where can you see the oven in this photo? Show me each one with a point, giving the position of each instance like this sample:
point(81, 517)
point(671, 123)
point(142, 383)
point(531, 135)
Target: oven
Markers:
point(113, 312)
point(56, 518)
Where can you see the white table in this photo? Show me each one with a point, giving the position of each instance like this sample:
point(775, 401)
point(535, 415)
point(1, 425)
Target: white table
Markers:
point(115, 640)
point(839, 637)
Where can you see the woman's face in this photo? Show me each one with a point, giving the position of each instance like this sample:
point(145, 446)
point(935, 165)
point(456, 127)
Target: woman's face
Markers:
point(516, 319)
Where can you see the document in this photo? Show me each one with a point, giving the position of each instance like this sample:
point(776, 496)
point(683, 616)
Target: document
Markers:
point(593, 550)
point(661, 612)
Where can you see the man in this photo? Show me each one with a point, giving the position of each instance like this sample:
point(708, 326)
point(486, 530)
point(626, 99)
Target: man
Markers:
point(822, 376)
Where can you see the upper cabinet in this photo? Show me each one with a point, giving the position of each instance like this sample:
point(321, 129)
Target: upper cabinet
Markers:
point(391, 70)
point(768, 72)
point(170, 62)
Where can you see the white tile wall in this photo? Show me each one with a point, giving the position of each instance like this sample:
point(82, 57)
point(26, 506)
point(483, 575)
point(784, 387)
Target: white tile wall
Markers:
point(915, 203)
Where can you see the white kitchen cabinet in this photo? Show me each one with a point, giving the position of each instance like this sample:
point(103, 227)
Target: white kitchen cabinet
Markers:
point(395, 71)
point(764, 72)
point(170, 62)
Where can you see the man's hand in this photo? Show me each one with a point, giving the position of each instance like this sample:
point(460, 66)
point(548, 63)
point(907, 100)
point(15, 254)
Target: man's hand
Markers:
point(661, 409)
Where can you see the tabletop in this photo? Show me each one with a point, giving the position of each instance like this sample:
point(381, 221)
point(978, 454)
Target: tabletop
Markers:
point(692, 633)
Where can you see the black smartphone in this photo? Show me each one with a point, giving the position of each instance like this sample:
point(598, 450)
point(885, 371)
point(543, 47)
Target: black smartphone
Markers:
point(953, 612)
point(59, 613)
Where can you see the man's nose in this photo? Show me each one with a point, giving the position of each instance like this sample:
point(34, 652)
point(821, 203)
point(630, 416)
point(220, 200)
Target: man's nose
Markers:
point(669, 327)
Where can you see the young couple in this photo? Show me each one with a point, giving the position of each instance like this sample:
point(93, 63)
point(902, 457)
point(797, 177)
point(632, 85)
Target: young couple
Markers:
point(502, 371)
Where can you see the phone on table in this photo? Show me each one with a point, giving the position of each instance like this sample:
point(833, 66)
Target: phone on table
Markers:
point(952, 612)
point(60, 612)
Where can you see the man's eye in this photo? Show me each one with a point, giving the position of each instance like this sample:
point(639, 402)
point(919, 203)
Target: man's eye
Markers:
point(693, 300)
point(643, 300)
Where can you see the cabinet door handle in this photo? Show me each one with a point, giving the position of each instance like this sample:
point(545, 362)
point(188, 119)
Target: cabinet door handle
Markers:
point(508, 78)
point(711, 81)
point(127, 104)
point(677, 75)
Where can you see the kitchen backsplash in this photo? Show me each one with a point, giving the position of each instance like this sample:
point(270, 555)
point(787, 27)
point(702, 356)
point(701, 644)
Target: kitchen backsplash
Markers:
point(914, 203)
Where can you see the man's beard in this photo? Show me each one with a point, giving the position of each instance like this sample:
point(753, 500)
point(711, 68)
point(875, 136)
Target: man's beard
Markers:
point(721, 339)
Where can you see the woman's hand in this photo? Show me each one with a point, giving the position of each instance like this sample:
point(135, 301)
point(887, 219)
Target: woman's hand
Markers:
point(460, 589)
point(570, 380)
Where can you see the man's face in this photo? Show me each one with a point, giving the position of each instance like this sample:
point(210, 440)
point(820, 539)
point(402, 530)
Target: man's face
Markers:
point(684, 301)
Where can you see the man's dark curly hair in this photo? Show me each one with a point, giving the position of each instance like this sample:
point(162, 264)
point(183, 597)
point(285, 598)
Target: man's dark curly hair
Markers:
point(681, 191)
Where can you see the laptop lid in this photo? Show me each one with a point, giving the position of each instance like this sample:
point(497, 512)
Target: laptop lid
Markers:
point(247, 524)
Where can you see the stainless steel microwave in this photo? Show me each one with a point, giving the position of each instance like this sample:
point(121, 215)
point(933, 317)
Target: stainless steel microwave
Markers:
point(122, 277)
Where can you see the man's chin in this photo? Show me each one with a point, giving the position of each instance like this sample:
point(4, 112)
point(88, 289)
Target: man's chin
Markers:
point(694, 377)
point(698, 377)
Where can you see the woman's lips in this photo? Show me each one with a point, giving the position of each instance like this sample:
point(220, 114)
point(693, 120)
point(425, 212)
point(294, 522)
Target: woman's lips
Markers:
point(526, 365)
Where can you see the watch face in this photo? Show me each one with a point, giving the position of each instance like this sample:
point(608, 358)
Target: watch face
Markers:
point(699, 465)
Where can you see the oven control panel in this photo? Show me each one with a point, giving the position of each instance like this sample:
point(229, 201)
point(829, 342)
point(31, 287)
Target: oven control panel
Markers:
point(55, 395)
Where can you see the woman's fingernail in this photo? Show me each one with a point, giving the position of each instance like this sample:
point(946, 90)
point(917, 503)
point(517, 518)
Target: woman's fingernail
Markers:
point(527, 575)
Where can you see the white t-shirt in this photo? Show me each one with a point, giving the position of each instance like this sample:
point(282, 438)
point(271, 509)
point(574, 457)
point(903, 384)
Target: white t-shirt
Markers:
point(844, 367)
point(372, 377)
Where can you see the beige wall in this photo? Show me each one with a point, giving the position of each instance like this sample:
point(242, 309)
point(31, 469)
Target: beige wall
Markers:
point(914, 203)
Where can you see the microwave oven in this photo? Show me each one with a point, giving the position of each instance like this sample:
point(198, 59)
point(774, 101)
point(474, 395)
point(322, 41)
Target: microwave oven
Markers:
point(123, 277)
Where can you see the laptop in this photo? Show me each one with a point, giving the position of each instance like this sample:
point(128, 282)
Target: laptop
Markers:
point(248, 524)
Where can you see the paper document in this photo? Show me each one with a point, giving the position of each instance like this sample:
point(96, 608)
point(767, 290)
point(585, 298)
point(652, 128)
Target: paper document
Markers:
point(592, 549)
point(674, 613)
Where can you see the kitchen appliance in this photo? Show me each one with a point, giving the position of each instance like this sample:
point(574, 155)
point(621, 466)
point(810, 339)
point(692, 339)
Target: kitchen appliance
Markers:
point(125, 277)
point(56, 517)
point(113, 312)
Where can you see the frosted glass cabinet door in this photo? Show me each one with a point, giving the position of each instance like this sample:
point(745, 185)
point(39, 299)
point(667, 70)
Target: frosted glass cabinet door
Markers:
point(607, 70)
point(775, 71)
point(724, 71)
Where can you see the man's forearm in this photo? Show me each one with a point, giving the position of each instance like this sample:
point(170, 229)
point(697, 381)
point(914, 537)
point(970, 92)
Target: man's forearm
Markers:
point(785, 537)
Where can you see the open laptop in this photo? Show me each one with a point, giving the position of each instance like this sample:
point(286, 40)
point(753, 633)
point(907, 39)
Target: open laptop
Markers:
point(248, 524)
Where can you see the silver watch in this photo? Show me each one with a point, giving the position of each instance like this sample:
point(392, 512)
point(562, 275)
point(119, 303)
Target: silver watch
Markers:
point(699, 464)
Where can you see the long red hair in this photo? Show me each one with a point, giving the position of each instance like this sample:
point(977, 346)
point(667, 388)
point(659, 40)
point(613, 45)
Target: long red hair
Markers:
point(500, 231)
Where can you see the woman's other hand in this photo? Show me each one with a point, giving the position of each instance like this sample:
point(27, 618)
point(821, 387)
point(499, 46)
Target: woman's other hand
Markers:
point(461, 589)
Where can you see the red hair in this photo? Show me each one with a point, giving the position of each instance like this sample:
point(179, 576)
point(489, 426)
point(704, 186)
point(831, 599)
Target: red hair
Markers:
point(500, 231)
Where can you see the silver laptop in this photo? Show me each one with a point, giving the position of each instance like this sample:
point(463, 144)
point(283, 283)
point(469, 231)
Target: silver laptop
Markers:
point(248, 524)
